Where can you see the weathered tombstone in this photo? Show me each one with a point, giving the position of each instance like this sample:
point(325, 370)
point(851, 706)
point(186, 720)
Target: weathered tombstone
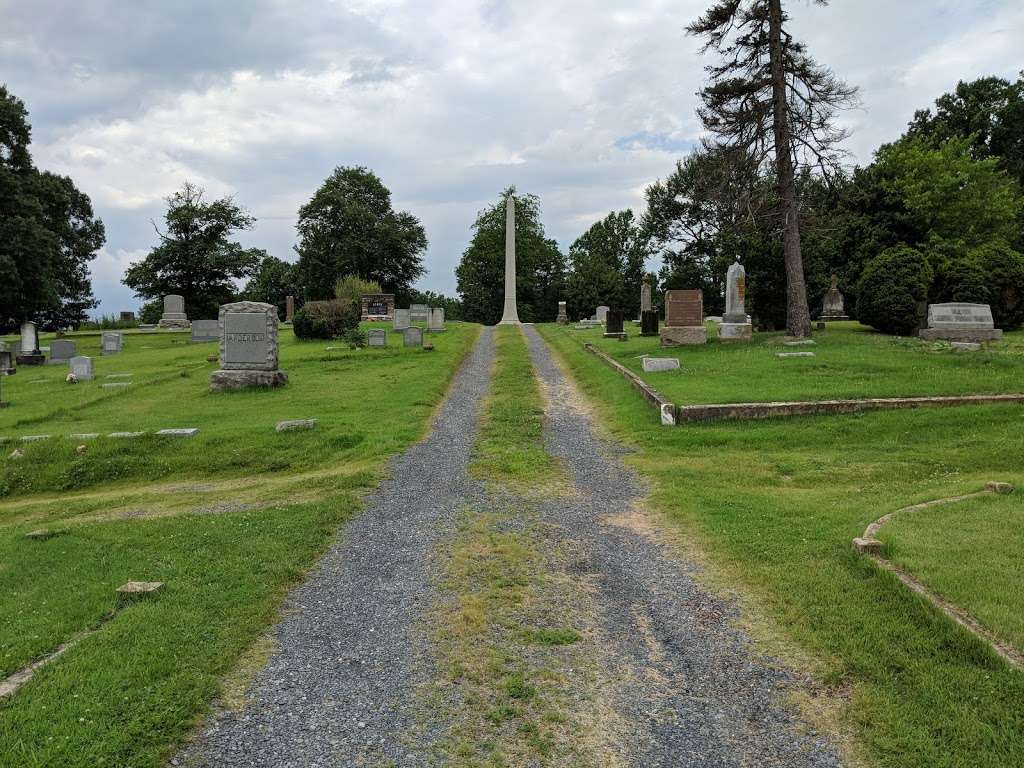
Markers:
point(646, 296)
point(601, 314)
point(289, 308)
point(659, 364)
point(205, 330)
point(412, 336)
point(61, 350)
point(649, 322)
point(613, 322)
point(833, 306)
point(377, 337)
point(401, 321)
point(81, 367)
point(248, 347)
point(436, 320)
point(174, 312)
point(29, 353)
point(563, 317)
point(378, 306)
point(684, 319)
point(6, 361)
point(734, 326)
point(112, 342)
point(960, 322)
point(419, 313)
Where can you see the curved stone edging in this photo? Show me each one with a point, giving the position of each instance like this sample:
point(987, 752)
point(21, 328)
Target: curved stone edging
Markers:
point(870, 546)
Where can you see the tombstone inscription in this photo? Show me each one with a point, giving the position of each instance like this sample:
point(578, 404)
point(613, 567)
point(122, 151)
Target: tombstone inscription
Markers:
point(960, 322)
point(378, 306)
point(684, 319)
point(248, 347)
point(377, 337)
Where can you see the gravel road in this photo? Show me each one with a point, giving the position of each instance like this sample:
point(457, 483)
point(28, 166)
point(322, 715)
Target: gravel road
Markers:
point(684, 680)
point(339, 692)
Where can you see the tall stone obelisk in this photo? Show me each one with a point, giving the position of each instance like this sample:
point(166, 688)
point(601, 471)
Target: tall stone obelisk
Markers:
point(510, 316)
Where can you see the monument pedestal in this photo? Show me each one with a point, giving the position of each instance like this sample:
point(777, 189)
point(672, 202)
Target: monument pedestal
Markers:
point(951, 334)
point(832, 318)
point(221, 381)
point(174, 322)
point(684, 336)
point(735, 332)
point(32, 359)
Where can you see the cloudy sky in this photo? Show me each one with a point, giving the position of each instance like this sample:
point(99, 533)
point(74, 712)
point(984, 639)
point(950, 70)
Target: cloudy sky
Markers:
point(581, 102)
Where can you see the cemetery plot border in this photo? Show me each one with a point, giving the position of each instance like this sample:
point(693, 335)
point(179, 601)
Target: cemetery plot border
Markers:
point(666, 410)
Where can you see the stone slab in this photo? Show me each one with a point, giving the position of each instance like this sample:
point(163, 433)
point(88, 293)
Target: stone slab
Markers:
point(952, 334)
point(187, 432)
point(799, 343)
point(83, 435)
point(126, 435)
point(960, 316)
point(966, 346)
point(684, 336)
point(205, 331)
point(136, 588)
point(666, 409)
point(294, 425)
point(735, 332)
point(659, 364)
point(116, 385)
point(786, 355)
point(34, 438)
point(221, 381)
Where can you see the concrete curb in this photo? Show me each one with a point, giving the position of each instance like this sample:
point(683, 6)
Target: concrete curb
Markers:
point(666, 409)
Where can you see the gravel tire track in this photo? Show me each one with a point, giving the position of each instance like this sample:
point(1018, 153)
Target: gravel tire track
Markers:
point(686, 682)
point(340, 691)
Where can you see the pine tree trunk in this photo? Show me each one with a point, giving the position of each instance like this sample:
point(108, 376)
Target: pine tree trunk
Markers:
point(798, 316)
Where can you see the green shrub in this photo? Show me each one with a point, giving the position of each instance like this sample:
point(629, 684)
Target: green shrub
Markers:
point(151, 312)
point(960, 278)
point(1003, 271)
point(356, 338)
point(350, 289)
point(325, 320)
point(892, 293)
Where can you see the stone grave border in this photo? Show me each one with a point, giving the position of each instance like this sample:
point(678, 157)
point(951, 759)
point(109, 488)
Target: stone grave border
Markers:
point(666, 409)
point(871, 547)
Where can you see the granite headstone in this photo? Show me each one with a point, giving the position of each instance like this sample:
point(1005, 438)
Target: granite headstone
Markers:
point(248, 347)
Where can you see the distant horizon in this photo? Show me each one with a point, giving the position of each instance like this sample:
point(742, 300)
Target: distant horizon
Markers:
point(583, 105)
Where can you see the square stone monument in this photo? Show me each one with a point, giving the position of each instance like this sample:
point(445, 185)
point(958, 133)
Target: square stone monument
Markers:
point(401, 321)
point(734, 325)
point(436, 322)
point(960, 322)
point(378, 306)
point(412, 336)
point(684, 319)
point(377, 337)
point(248, 348)
point(81, 367)
point(563, 317)
point(613, 322)
point(174, 313)
point(61, 350)
point(29, 353)
point(205, 330)
point(112, 342)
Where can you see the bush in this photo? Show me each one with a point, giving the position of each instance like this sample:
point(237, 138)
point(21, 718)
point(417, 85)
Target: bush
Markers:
point(892, 293)
point(350, 289)
point(960, 278)
point(325, 320)
point(357, 338)
point(1003, 271)
point(151, 312)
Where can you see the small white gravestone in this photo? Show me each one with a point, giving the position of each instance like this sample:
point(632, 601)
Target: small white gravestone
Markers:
point(436, 322)
point(29, 353)
point(734, 325)
point(81, 367)
point(377, 337)
point(412, 337)
point(659, 364)
point(601, 314)
point(248, 347)
point(174, 313)
point(294, 425)
point(113, 342)
point(960, 322)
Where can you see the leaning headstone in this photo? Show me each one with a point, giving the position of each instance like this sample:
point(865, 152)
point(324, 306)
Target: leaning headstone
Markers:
point(659, 364)
point(734, 326)
point(174, 312)
point(833, 306)
point(248, 348)
point(649, 322)
point(401, 321)
point(419, 313)
point(601, 314)
point(684, 319)
point(960, 322)
point(61, 350)
point(377, 337)
point(112, 342)
point(81, 367)
point(30, 353)
point(378, 306)
point(614, 322)
point(563, 317)
point(436, 322)
point(412, 336)
point(205, 330)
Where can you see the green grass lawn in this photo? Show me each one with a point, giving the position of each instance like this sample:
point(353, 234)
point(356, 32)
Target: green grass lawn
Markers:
point(772, 507)
point(971, 553)
point(850, 362)
point(370, 402)
point(241, 514)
